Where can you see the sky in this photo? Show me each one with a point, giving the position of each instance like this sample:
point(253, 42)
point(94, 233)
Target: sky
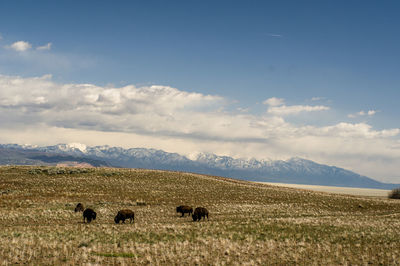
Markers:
point(248, 79)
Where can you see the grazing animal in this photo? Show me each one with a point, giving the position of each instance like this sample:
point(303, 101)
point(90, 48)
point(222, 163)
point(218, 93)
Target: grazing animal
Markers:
point(79, 207)
point(89, 215)
point(184, 209)
point(200, 212)
point(122, 215)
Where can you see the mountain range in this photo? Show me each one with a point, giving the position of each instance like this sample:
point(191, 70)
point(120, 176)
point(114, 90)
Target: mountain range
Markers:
point(295, 170)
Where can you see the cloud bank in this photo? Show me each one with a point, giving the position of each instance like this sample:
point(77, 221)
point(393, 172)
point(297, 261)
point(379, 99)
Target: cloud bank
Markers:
point(40, 111)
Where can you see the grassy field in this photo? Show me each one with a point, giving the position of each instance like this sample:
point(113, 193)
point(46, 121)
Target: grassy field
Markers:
point(249, 223)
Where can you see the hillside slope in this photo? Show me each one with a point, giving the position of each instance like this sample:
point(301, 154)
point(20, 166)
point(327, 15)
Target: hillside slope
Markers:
point(249, 223)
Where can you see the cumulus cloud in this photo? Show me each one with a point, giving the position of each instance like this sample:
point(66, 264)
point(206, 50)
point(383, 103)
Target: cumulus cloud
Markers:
point(186, 122)
point(127, 108)
point(21, 46)
point(44, 47)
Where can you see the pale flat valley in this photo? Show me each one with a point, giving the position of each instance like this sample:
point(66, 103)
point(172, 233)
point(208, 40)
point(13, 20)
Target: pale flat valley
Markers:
point(371, 192)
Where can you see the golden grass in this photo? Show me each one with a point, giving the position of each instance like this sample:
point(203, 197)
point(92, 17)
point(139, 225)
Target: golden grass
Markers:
point(249, 223)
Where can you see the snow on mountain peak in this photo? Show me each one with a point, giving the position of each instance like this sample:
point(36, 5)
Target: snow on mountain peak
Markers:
point(78, 146)
point(193, 156)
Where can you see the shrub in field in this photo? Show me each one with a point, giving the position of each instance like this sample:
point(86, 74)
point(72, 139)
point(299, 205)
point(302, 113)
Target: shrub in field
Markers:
point(110, 174)
point(395, 194)
point(141, 203)
point(77, 171)
point(36, 171)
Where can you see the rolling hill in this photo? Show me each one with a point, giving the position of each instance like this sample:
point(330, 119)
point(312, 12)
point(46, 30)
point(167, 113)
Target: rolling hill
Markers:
point(249, 223)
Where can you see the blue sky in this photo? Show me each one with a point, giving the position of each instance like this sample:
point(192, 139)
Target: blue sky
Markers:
point(328, 64)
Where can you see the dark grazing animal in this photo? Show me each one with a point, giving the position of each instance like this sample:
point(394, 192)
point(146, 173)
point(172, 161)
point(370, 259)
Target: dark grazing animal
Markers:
point(200, 212)
point(122, 215)
point(79, 207)
point(89, 215)
point(184, 209)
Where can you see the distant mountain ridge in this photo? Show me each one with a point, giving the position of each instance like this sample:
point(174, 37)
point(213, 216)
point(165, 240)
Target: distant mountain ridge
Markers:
point(12, 154)
point(295, 170)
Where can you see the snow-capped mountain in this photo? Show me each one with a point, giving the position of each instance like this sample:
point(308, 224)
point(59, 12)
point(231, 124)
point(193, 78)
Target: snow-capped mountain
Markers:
point(295, 170)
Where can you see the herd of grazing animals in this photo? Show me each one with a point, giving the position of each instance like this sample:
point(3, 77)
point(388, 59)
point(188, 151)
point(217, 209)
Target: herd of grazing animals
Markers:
point(90, 215)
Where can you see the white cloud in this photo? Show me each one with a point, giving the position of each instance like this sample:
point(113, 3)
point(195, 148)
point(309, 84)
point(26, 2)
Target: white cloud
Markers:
point(277, 107)
point(274, 101)
point(295, 109)
point(44, 47)
point(185, 122)
point(34, 61)
point(362, 113)
point(363, 130)
point(317, 98)
point(21, 46)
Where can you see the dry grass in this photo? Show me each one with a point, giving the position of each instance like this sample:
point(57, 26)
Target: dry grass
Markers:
point(249, 223)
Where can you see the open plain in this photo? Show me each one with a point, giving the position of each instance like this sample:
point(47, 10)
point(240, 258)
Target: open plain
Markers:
point(249, 223)
point(371, 192)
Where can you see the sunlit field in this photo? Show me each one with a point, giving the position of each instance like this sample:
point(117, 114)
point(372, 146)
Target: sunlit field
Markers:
point(249, 223)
